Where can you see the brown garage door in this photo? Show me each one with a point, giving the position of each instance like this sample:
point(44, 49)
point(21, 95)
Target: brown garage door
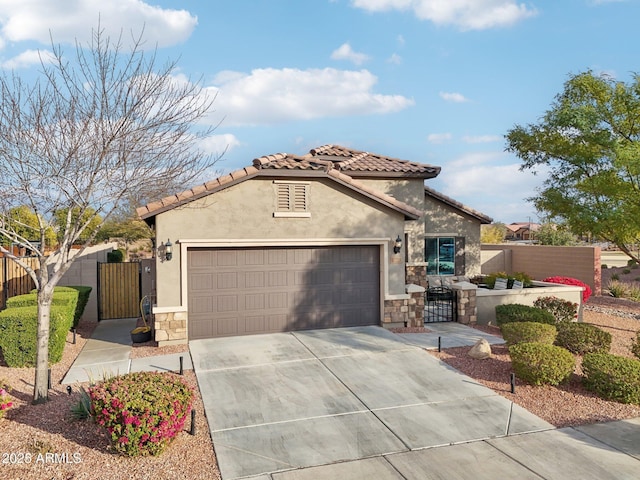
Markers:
point(261, 290)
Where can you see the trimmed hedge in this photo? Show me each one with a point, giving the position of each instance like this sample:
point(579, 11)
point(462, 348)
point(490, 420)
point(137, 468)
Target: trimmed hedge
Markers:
point(18, 332)
point(19, 324)
point(541, 364)
point(528, 332)
point(581, 338)
point(515, 312)
point(612, 377)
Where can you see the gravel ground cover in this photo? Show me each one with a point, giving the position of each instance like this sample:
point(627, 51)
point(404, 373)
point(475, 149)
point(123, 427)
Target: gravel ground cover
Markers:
point(46, 442)
point(569, 404)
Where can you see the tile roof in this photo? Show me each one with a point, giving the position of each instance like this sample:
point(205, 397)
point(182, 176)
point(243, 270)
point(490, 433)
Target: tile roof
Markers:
point(457, 205)
point(352, 162)
point(334, 162)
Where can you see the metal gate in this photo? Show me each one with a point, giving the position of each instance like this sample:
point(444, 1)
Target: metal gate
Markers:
point(118, 290)
point(440, 305)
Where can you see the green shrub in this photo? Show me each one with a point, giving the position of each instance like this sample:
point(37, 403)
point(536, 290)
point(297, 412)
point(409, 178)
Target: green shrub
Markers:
point(115, 256)
point(528, 332)
point(141, 411)
point(490, 280)
point(18, 331)
point(612, 377)
point(581, 338)
point(78, 295)
point(631, 263)
point(562, 310)
point(603, 266)
point(515, 312)
point(626, 271)
point(541, 364)
point(615, 276)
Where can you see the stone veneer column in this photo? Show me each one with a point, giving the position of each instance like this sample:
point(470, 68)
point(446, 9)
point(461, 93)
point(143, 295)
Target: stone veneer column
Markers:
point(466, 306)
point(416, 274)
point(170, 327)
point(405, 309)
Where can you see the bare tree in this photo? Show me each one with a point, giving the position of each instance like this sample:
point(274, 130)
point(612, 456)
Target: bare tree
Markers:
point(91, 131)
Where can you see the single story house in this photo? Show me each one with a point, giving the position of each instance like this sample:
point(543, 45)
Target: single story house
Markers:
point(327, 239)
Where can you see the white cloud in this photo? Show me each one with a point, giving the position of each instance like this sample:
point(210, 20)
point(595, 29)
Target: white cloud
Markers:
point(67, 21)
point(219, 144)
point(482, 138)
point(345, 52)
point(453, 97)
point(28, 58)
point(395, 59)
point(464, 14)
point(269, 96)
point(439, 137)
point(492, 183)
point(400, 40)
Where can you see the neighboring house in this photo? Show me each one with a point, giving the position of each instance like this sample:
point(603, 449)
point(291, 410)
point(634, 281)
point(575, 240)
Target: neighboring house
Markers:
point(522, 231)
point(298, 242)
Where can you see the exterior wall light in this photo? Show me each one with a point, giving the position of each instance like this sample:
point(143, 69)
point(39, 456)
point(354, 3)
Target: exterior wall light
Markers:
point(166, 251)
point(397, 246)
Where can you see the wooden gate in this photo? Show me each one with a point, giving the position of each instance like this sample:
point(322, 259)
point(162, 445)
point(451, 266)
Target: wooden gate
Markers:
point(14, 280)
point(118, 290)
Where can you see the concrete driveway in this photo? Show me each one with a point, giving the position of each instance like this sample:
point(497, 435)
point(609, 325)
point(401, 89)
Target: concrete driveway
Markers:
point(292, 400)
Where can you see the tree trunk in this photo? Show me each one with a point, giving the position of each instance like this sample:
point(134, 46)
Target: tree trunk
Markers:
point(41, 384)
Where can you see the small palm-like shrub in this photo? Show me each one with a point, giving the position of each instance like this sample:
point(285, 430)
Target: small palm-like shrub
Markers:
point(581, 338)
point(635, 346)
point(528, 332)
point(617, 289)
point(612, 377)
point(541, 364)
point(562, 310)
point(515, 312)
point(490, 280)
point(142, 411)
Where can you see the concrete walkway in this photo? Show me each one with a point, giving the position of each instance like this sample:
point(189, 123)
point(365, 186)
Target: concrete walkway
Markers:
point(107, 353)
point(365, 403)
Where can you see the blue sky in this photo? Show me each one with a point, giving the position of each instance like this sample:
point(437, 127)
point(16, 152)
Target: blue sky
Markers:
point(433, 81)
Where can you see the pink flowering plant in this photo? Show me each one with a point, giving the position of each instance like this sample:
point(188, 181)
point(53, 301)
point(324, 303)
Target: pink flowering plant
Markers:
point(141, 411)
point(586, 292)
point(5, 399)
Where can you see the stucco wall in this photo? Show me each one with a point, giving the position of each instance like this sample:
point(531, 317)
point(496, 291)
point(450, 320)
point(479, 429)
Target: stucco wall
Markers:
point(244, 212)
point(541, 261)
point(441, 220)
point(84, 271)
point(411, 192)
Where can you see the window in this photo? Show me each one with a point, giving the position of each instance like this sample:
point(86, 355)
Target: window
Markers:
point(444, 255)
point(292, 199)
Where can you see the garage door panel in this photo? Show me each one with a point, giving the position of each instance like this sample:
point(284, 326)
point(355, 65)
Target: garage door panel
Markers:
point(278, 278)
point(254, 301)
point(227, 281)
point(254, 279)
point(226, 258)
point(245, 291)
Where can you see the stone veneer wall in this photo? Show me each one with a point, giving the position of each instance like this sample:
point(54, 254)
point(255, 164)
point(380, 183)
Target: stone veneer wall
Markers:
point(170, 328)
point(416, 274)
point(409, 310)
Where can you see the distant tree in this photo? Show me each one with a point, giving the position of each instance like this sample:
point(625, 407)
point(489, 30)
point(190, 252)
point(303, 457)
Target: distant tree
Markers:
point(590, 143)
point(552, 234)
point(26, 225)
point(493, 233)
point(88, 217)
point(84, 136)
